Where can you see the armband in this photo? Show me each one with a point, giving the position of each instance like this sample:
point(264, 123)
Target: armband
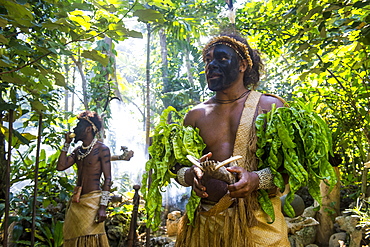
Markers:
point(104, 199)
point(181, 176)
point(266, 179)
point(65, 147)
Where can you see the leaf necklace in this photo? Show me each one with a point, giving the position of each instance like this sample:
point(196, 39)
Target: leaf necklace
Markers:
point(81, 155)
point(228, 101)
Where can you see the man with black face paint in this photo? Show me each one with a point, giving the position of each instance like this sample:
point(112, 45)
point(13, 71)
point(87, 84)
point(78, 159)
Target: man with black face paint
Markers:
point(85, 216)
point(229, 214)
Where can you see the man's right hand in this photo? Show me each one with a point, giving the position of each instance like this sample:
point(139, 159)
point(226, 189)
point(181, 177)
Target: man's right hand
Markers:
point(194, 175)
point(129, 155)
point(68, 138)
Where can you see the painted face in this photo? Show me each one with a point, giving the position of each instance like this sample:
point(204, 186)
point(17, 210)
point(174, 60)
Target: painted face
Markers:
point(222, 67)
point(79, 130)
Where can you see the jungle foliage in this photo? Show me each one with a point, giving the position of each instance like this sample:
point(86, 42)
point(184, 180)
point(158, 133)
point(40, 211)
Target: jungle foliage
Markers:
point(314, 50)
point(321, 51)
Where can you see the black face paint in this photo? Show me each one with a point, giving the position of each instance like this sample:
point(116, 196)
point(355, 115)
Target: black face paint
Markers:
point(222, 67)
point(79, 130)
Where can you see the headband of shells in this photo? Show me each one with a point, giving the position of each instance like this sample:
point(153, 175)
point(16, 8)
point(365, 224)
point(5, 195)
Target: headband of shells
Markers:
point(240, 48)
point(92, 124)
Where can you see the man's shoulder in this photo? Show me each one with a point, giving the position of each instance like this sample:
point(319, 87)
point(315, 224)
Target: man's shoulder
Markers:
point(267, 100)
point(101, 145)
point(200, 108)
point(195, 113)
point(273, 97)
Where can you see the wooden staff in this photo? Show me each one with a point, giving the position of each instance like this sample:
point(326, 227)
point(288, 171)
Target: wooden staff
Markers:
point(7, 178)
point(147, 232)
point(36, 182)
point(133, 224)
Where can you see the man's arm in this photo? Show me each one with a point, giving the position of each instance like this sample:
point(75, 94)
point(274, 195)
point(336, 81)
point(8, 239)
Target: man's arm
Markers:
point(106, 167)
point(65, 161)
point(105, 158)
point(191, 176)
point(126, 155)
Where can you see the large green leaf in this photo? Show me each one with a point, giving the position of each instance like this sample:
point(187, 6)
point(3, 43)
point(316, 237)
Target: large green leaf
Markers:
point(59, 79)
point(149, 15)
point(38, 106)
point(3, 39)
point(96, 56)
point(17, 11)
point(6, 106)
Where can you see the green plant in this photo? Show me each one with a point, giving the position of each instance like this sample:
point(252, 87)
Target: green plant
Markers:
point(55, 189)
point(362, 210)
point(171, 143)
point(53, 235)
point(294, 141)
point(118, 223)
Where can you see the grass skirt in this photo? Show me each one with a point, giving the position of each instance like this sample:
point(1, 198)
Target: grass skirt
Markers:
point(228, 228)
point(79, 227)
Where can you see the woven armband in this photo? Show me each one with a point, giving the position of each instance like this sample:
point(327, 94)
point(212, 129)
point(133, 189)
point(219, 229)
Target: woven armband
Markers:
point(104, 199)
point(266, 179)
point(65, 147)
point(181, 176)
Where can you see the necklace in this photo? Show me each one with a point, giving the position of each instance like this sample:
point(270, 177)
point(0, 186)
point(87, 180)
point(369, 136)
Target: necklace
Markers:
point(228, 101)
point(91, 144)
point(81, 155)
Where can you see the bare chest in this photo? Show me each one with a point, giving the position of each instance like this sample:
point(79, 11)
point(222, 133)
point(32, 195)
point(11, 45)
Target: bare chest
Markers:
point(90, 166)
point(218, 129)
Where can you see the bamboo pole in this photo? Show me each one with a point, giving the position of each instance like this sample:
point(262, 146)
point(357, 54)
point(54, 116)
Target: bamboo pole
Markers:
point(36, 182)
point(147, 120)
point(7, 177)
point(148, 113)
point(147, 233)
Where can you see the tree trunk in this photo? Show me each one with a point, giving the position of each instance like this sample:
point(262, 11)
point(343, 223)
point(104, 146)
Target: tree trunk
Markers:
point(187, 63)
point(66, 93)
point(84, 82)
point(35, 189)
point(3, 162)
point(364, 177)
point(147, 120)
point(102, 103)
point(112, 58)
point(7, 179)
point(328, 211)
point(73, 83)
point(164, 53)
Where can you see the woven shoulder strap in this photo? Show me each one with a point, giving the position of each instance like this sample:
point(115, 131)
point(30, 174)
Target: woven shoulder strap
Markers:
point(243, 134)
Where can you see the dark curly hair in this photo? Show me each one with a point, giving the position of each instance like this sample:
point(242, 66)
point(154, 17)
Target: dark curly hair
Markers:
point(92, 116)
point(251, 75)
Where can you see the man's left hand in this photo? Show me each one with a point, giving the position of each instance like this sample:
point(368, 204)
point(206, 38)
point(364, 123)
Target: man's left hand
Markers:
point(248, 182)
point(101, 216)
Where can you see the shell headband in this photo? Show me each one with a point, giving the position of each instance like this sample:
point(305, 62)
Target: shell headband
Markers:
point(92, 124)
point(240, 48)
